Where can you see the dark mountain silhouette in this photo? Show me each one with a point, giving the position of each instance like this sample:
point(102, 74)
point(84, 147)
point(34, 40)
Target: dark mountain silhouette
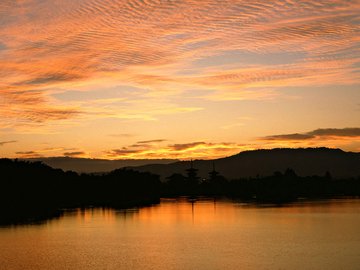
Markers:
point(87, 165)
point(304, 161)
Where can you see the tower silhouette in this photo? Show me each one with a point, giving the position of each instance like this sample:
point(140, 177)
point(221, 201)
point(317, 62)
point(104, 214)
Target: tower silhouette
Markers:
point(213, 174)
point(192, 176)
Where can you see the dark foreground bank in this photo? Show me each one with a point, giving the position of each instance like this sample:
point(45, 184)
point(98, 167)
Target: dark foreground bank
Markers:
point(32, 192)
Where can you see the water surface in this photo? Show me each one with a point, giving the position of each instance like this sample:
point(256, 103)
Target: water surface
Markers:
point(178, 234)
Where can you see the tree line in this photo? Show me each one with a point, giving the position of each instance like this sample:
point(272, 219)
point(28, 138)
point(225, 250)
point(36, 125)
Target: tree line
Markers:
point(32, 191)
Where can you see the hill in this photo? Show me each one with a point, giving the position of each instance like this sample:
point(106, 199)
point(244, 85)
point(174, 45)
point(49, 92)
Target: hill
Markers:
point(304, 161)
point(87, 165)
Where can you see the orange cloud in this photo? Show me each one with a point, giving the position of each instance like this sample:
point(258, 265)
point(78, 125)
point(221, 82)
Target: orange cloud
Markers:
point(75, 154)
point(186, 146)
point(333, 133)
point(152, 141)
point(195, 150)
point(345, 138)
point(336, 132)
point(66, 46)
point(62, 43)
point(6, 142)
point(28, 154)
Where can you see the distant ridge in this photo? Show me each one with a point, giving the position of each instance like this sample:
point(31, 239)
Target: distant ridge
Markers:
point(305, 162)
point(87, 165)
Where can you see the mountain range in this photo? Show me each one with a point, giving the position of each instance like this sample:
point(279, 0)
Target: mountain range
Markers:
point(304, 161)
point(89, 165)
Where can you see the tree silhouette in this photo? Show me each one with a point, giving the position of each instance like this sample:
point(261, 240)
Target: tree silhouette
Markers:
point(35, 191)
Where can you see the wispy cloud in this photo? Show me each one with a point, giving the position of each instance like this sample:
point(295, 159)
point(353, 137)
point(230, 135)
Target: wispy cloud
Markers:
point(186, 146)
point(75, 154)
point(318, 133)
point(288, 137)
point(205, 150)
point(344, 138)
point(149, 44)
point(66, 63)
point(6, 142)
point(123, 152)
point(337, 132)
point(31, 108)
point(28, 154)
point(152, 141)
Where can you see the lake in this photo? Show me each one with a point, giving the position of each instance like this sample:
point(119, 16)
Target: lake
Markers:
point(182, 234)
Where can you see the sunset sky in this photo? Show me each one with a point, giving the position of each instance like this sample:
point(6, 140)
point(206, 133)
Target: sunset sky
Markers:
point(177, 78)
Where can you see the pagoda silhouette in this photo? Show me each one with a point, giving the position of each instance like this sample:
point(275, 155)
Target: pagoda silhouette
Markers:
point(213, 175)
point(192, 176)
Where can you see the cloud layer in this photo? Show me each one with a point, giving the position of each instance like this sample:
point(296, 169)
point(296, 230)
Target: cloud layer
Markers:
point(6, 142)
point(345, 138)
point(335, 133)
point(64, 44)
point(81, 70)
point(194, 150)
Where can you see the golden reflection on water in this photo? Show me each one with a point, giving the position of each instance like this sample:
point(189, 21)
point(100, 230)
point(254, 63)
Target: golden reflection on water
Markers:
point(188, 212)
point(90, 215)
point(182, 234)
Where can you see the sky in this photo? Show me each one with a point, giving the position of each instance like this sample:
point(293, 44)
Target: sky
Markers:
point(120, 79)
